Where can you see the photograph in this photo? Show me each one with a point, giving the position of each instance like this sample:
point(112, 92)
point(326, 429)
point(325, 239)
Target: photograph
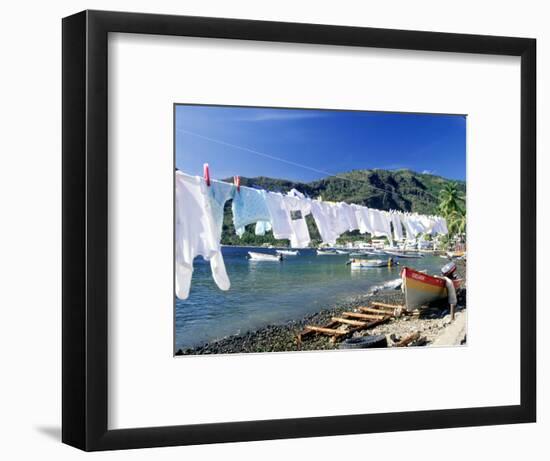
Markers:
point(312, 229)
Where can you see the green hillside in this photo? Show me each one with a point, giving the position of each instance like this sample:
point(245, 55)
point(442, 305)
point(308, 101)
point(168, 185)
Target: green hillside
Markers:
point(403, 190)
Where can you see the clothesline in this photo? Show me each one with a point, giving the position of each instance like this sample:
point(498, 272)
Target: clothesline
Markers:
point(290, 162)
point(200, 210)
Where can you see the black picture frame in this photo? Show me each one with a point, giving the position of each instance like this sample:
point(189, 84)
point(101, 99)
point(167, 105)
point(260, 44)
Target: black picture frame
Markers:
point(85, 220)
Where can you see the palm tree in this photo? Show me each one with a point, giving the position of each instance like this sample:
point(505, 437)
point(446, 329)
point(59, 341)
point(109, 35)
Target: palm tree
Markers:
point(456, 222)
point(452, 208)
point(450, 200)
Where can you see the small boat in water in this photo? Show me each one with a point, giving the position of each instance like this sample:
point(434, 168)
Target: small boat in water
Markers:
point(456, 254)
point(370, 263)
point(342, 252)
point(399, 254)
point(326, 253)
point(421, 288)
point(288, 252)
point(264, 256)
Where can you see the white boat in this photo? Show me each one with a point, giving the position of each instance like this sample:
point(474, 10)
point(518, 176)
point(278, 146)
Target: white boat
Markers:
point(371, 263)
point(456, 254)
point(326, 253)
point(288, 252)
point(404, 255)
point(342, 252)
point(264, 256)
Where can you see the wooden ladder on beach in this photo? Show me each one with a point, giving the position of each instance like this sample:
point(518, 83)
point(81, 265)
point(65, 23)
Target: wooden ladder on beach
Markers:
point(347, 323)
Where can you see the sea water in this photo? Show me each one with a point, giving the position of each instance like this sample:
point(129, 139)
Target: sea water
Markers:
point(273, 292)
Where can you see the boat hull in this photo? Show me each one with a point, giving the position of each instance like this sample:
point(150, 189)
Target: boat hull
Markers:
point(421, 289)
point(287, 252)
point(264, 257)
point(326, 253)
point(404, 255)
point(368, 264)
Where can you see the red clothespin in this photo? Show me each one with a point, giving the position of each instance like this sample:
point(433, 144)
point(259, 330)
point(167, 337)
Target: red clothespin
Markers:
point(207, 174)
point(237, 182)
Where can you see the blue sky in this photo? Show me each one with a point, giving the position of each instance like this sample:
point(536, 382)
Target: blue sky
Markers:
point(280, 143)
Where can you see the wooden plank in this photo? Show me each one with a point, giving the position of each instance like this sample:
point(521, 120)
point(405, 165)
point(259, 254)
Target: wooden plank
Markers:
point(326, 331)
point(357, 315)
point(372, 316)
point(376, 311)
point(388, 306)
point(305, 333)
point(385, 310)
point(337, 335)
point(357, 323)
point(368, 325)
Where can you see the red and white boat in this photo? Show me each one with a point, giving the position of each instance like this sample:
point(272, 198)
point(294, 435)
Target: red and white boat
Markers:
point(421, 288)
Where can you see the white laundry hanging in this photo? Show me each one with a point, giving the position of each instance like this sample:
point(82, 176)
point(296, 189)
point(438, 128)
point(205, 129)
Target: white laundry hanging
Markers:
point(298, 208)
point(417, 223)
point(280, 217)
point(347, 217)
point(248, 207)
point(408, 224)
point(262, 227)
point(440, 225)
point(397, 227)
point(379, 224)
point(324, 215)
point(363, 219)
point(198, 223)
point(426, 223)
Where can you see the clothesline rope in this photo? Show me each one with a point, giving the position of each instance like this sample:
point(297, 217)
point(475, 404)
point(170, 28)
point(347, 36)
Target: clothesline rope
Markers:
point(289, 162)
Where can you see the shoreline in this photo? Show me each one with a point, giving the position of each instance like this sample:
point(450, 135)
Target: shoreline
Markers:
point(431, 324)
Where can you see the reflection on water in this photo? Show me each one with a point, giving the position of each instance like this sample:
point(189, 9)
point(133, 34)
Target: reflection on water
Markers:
point(267, 292)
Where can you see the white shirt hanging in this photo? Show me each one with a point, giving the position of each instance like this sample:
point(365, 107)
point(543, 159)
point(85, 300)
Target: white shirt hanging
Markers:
point(347, 216)
point(325, 219)
point(378, 223)
point(298, 208)
point(280, 217)
point(408, 224)
point(397, 227)
point(198, 232)
point(363, 219)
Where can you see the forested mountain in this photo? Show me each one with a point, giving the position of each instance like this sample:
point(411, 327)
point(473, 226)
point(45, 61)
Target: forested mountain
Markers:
point(404, 190)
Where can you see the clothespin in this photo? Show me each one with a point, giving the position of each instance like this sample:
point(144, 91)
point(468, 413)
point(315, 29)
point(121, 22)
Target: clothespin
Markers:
point(237, 182)
point(207, 174)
